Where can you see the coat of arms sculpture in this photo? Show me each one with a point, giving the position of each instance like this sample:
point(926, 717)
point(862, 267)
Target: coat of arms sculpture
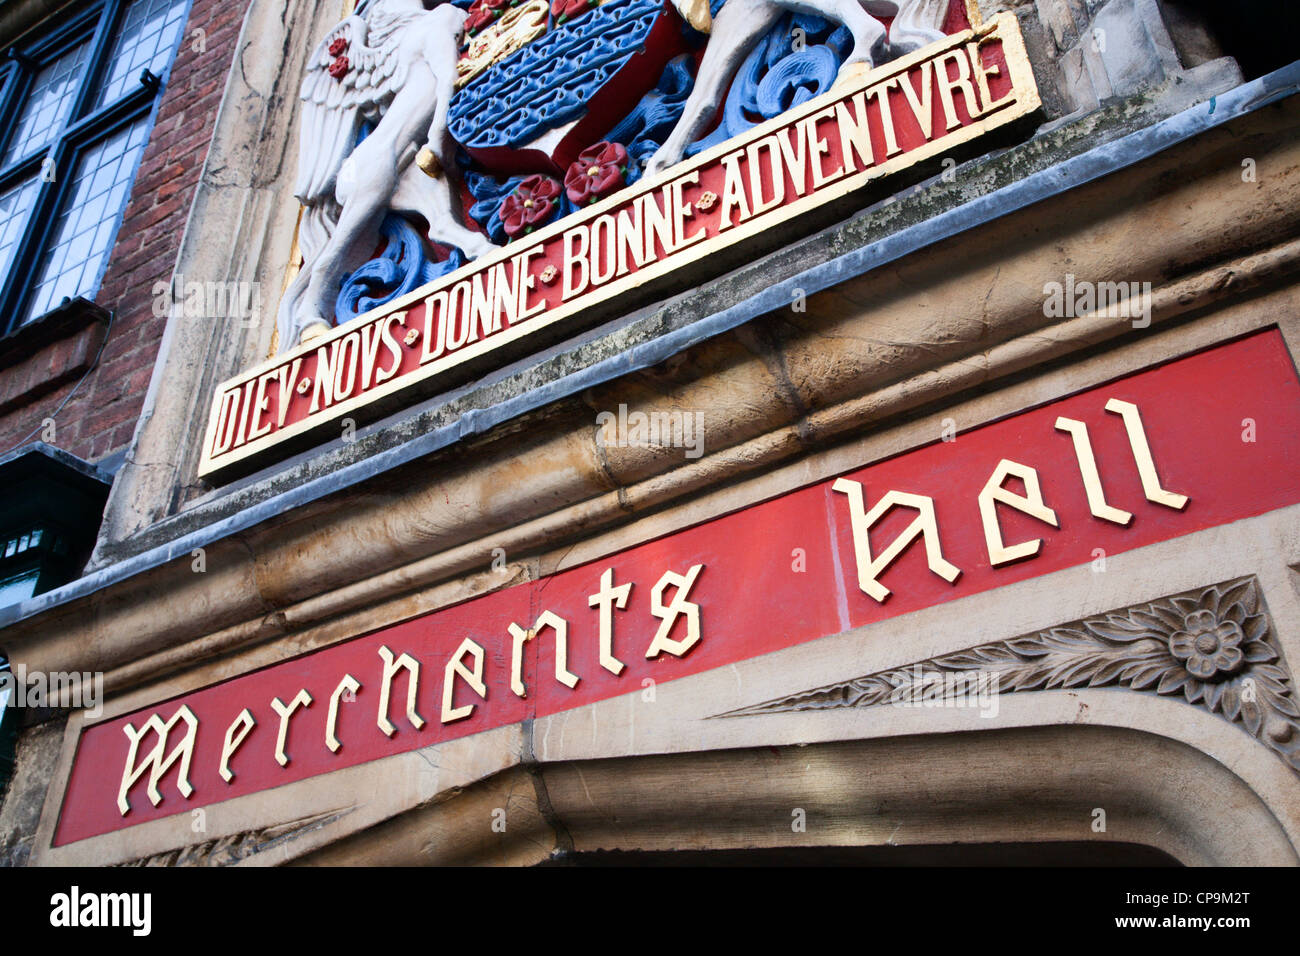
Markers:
point(433, 132)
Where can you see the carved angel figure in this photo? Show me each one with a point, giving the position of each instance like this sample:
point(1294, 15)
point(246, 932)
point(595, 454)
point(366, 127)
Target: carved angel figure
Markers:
point(391, 65)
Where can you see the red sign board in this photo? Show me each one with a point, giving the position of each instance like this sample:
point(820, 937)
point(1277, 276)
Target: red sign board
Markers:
point(1174, 450)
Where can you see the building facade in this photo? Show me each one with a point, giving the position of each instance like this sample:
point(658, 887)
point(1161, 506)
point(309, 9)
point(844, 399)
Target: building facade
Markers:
point(629, 431)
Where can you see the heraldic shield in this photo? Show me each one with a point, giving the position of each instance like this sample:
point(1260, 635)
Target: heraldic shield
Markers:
point(433, 133)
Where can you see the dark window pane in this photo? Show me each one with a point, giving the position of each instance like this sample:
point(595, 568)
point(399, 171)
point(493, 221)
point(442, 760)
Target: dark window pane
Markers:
point(147, 39)
point(14, 208)
point(88, 221)
point(48, 104)
point(18, 588)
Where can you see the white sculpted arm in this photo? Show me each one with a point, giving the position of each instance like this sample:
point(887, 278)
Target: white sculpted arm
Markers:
point(442, 52)
point(919, 23)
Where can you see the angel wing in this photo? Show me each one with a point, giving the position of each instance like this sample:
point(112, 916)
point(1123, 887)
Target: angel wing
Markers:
point(335, 106)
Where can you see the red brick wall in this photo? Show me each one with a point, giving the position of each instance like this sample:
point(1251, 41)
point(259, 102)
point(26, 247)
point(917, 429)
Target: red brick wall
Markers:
point(100, 419)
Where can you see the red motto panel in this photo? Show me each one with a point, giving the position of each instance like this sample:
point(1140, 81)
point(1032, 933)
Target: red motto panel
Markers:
point(1219, 426)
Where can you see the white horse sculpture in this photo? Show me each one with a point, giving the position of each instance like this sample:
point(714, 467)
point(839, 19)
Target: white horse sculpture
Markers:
point(392, 63)
point(740, 24)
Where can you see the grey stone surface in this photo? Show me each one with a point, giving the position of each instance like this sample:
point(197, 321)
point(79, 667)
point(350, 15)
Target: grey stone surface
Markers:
point(19, 16)
point(1121, 48)
point(21, 803)
point(1122, 38)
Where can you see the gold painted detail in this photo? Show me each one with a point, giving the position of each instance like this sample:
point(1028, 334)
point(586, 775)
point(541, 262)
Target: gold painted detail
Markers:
point(163, 747)
point(286, 711)
point(427, 160)
point(696, 13)
point(157, 759)
point(346, 690)
point(313, 332)
point(518, 26)
point(235, 734)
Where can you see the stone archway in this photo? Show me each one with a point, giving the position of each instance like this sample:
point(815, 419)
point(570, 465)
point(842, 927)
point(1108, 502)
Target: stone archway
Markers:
point(1029, 785)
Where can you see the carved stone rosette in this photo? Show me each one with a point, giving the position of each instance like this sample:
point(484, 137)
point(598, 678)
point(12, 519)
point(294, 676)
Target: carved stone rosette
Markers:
point(1213, 647)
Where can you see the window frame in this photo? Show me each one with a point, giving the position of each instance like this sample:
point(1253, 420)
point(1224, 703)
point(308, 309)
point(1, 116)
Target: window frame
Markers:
point(80, 131)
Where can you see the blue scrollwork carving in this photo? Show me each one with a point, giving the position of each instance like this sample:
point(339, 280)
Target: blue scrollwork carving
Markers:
point(402, 267)
point(488, 193)
point(648, 125)
point(797, 60)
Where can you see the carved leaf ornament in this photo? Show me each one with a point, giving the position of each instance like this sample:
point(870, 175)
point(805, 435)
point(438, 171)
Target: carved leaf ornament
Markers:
point(1214, 648)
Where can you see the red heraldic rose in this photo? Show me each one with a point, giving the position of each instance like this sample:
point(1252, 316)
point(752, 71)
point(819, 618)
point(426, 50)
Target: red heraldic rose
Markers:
point(531, 204)
point(483, 12)
point(564, 10)
point(338, 47)
point(339, 68)
point(598, 171)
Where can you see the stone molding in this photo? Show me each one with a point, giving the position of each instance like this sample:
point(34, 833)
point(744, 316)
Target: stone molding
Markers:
point(1163, 648)
point(229, 850)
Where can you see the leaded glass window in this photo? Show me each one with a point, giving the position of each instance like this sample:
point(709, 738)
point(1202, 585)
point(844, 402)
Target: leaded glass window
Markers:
point(75, 114)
